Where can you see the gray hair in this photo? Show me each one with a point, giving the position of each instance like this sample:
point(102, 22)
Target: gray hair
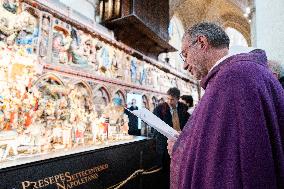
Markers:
point(274, 66)
point(215, 35)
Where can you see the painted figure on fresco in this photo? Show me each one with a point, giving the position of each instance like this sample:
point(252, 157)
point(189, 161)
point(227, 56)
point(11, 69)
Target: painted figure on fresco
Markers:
point(115, 69)
point(87, 44)
point(133, 70)
point(95, 58)
point(44, 38)
point(143, 75)
point(92, 59)
point(138, 71)
point(149, 80)
point(120, 62)
point(104, 60)
point(125, 67)
point(154, 74)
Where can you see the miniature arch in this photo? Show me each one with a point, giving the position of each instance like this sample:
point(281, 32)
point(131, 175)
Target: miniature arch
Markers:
point(86, 85)
point(50, 76)
point(121, 95)
point(104, 93)
point(52, 80)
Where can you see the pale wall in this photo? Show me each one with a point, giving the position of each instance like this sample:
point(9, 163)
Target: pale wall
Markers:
point(270, 28)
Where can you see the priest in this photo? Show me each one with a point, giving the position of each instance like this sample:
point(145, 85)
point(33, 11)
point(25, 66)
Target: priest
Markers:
point(235, 136)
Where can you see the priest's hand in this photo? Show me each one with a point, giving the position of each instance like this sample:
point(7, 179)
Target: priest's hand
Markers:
point(171, 143)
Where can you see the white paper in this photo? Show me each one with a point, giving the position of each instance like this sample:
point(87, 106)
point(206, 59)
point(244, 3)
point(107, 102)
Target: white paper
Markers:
point(155, 122)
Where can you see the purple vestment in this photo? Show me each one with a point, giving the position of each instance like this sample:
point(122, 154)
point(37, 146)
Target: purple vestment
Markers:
point(235, 137)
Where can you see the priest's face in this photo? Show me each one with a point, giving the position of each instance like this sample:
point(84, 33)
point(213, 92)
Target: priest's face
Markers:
point(194, 58)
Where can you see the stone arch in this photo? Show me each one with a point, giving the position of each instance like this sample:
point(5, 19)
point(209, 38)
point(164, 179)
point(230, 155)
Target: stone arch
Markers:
point(176, 31)
point(236, 37)
point(177, 26)
point(239, 23)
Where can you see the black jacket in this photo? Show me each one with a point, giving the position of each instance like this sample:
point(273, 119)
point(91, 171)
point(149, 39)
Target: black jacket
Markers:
point(163, 111)
point(133, 121)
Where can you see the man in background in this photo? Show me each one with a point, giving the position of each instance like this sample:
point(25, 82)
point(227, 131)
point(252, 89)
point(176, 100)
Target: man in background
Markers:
point(188, 100)
point(275, 67)
point(175, 114)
